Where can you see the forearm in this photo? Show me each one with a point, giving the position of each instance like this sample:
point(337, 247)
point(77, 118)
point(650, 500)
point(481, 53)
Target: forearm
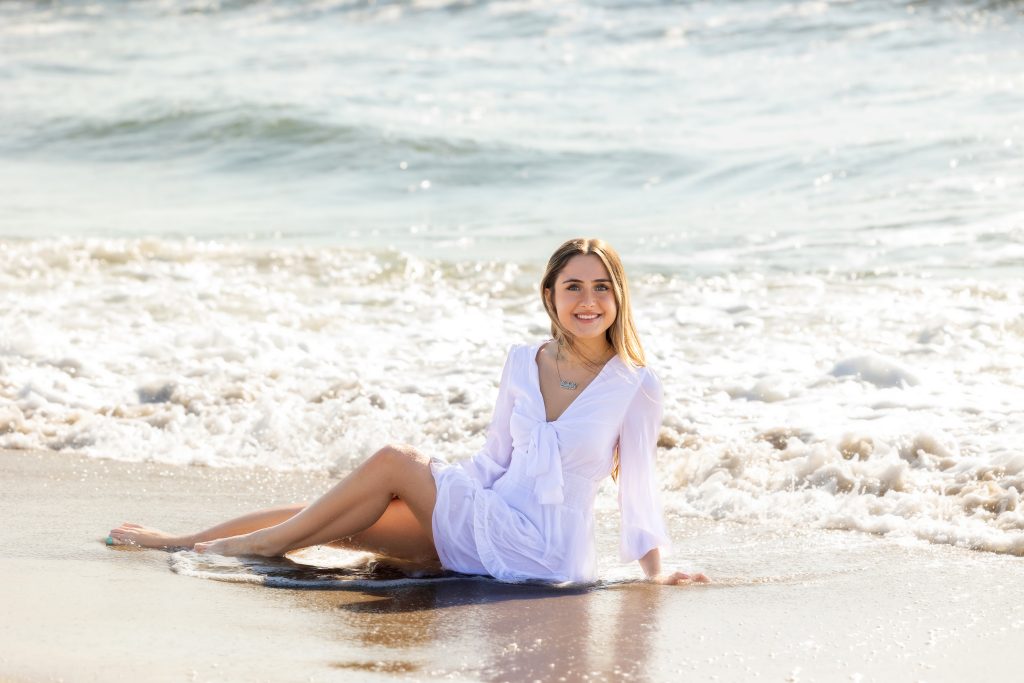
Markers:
point(651, 563)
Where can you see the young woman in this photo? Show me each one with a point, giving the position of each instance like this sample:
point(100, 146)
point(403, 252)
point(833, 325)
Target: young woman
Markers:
point(570, 412)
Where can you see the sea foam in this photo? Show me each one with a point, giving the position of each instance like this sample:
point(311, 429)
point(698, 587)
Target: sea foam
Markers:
point(837, 409)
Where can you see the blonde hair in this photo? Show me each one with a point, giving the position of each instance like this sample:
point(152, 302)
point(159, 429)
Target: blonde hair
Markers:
point(622, 335)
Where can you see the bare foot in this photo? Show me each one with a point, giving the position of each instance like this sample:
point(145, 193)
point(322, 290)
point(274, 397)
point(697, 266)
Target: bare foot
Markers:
point(145, 537)
point(246, 544)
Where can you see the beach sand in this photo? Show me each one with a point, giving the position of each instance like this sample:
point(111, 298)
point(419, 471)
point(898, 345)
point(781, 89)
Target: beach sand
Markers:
point(790, 605)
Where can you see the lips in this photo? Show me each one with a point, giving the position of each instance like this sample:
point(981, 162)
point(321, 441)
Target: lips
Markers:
point(587, 317)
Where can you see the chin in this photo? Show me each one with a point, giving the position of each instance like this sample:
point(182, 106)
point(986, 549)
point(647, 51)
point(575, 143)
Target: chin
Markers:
point(591, 335)
point(588, 334)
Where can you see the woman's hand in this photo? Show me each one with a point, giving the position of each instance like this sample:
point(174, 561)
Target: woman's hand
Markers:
point(651, 564)
point(678, 578)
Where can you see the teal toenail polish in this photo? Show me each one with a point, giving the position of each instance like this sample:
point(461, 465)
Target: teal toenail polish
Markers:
point(110, 541)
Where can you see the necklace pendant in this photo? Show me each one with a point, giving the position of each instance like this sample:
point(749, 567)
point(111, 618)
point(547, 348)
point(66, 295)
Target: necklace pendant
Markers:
point(567, 385)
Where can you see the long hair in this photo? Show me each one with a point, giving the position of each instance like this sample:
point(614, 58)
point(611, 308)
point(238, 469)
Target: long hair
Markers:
point(622, 335)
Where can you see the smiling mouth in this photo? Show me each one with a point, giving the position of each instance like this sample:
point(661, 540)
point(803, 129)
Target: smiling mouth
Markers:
point(587, 317)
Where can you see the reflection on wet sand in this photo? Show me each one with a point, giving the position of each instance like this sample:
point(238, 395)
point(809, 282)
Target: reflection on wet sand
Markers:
point(498, 632)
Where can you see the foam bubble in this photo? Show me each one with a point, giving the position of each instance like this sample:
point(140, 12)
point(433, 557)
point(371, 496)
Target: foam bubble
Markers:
point(880, 371)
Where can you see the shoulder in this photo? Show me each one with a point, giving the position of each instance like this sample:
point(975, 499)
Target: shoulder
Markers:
point(647, 384)
point(638, 382)
point(525, 350)
point(649, 378)
point(522, 353)
point(635, 375)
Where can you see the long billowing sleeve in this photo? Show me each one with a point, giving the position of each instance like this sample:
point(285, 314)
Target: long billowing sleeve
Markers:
point(643, 527)
point(493, 459)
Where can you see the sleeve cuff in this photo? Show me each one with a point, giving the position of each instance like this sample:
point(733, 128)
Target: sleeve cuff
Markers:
point(638, 542)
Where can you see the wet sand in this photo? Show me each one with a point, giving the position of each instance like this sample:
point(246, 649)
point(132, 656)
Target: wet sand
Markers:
point(790, 604)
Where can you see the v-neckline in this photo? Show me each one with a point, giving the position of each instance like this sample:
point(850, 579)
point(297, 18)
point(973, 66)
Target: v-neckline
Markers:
point(536, 384)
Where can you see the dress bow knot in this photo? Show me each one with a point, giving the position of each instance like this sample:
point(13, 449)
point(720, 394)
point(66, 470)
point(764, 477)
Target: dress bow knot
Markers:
point(545, 464)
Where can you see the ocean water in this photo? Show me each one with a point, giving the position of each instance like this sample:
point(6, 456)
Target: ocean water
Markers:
point(284, 234)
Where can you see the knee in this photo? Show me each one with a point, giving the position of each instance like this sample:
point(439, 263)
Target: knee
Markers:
point(396, 455)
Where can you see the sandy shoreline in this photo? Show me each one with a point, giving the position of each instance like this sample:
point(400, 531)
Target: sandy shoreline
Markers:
point(793, 606)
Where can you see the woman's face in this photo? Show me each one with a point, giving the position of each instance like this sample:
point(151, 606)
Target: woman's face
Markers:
point(583, 299)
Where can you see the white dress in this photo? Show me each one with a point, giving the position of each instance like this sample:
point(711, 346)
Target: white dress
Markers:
point(523, 507)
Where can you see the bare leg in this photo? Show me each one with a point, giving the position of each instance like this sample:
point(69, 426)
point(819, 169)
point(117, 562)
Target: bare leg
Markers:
point(148, 537)
point(398, 534)
point(354, 505)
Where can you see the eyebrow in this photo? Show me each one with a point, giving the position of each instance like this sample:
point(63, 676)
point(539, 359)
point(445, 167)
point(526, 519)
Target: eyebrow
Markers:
point(576, 279)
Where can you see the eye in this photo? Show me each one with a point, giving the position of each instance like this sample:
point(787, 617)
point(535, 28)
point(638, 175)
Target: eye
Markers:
point(573, 288)
point(602, 288)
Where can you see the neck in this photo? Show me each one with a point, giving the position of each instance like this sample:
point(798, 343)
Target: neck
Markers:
point(589, 351)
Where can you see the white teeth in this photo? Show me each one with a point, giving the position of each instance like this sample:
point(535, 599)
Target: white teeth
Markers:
point(584, 316)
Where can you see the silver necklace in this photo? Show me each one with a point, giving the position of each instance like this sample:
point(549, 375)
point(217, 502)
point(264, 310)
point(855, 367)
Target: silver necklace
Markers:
point(564, 383)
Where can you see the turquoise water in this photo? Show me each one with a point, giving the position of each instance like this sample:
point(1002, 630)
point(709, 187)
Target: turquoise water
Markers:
point(699, 137)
